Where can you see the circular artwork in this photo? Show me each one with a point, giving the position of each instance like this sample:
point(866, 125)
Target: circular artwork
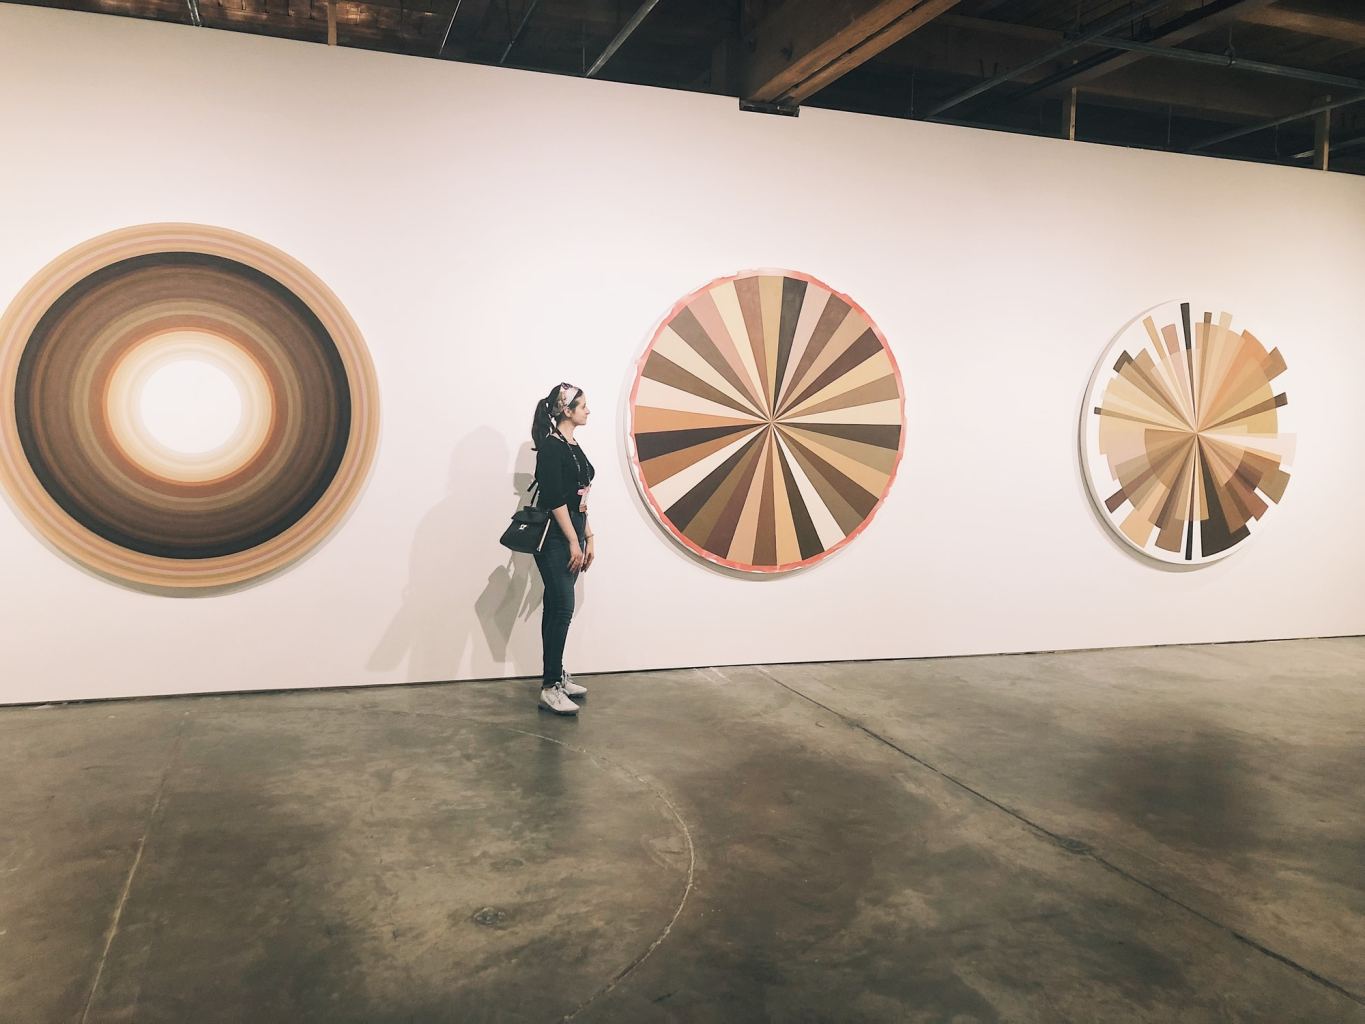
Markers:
point(183, 406)
point(1183, 433)
point(766, 421)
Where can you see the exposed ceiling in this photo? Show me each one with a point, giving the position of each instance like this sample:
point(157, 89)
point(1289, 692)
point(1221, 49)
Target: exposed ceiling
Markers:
point(1276, 81)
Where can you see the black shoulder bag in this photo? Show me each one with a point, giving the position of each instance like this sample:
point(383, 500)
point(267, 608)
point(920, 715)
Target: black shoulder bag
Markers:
point(529, 526)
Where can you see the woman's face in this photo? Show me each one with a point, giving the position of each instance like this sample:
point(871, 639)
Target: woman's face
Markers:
point(578, 415)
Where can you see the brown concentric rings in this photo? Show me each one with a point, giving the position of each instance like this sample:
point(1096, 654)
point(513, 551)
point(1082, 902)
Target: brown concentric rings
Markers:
point(83, 343)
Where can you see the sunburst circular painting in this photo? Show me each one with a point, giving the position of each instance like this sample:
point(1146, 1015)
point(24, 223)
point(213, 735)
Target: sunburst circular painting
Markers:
point(1183, 433)
point(183, 406)
point(766, 421)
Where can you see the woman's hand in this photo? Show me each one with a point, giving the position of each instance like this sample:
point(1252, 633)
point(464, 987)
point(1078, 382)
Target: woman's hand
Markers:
point(575, 557)
point(589, 556)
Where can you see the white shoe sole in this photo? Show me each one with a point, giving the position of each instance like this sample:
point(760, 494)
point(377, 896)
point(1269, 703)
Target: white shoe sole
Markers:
point(545, 707)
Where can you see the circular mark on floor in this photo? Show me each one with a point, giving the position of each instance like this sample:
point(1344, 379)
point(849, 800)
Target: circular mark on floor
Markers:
point(387, 865)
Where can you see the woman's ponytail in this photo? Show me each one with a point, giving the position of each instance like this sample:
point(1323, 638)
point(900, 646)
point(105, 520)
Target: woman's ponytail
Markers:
point(542, 423)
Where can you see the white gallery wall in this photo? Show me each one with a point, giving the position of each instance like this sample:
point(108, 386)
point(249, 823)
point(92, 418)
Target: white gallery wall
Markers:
point(494, 231)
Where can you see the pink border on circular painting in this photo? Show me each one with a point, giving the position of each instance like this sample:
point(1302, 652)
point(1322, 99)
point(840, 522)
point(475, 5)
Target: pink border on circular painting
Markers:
point(658, 513)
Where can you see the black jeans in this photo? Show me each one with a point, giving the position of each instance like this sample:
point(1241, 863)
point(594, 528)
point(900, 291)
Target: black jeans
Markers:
point(557, 612)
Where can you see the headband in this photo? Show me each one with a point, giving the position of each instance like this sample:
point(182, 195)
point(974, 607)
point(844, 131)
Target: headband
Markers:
point(566, 396)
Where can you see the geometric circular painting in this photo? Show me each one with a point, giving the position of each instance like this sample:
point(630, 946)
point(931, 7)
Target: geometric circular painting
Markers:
point(1183, 433)
point(183, 406)
point(766, 421)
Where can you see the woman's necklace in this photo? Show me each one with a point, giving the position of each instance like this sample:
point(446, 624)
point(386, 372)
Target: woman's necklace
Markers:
point(577, 459)
point(582, 474)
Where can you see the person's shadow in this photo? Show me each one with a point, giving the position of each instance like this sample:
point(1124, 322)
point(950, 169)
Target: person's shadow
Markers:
point(509, 593)
point(432, 631)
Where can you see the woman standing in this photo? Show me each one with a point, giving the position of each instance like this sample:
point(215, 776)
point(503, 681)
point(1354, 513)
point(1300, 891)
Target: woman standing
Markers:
point(564, 476)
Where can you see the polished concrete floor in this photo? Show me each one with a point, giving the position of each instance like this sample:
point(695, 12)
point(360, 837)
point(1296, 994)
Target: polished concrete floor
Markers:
point(1173, 834)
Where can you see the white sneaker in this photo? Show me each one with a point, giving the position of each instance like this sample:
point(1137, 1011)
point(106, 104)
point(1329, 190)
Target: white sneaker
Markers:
point(571, 688)
point(552, 698)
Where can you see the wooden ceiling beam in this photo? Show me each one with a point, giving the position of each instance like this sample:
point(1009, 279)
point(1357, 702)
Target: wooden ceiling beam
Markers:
point(804, 45)
point(1308, 23)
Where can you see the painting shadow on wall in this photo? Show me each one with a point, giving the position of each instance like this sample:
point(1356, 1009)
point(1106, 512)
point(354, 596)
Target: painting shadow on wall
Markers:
point(432, 635)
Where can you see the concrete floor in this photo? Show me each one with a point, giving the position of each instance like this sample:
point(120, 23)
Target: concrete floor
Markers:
point(1136, 835)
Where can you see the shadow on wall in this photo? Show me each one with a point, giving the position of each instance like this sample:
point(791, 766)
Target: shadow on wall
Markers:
point(453, 547)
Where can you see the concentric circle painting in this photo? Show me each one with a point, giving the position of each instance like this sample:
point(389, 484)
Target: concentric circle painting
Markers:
point(183, 406)
point(1183, 433)
point(766, 421)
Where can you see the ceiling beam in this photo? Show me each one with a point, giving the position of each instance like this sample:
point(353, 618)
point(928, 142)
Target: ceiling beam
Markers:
point(1337, 148)
point(445, 36)
point(967, 49)
point(1322, 140)
point(1238, 133)
point(521, 28)
point(990, 26)
point(1308, 23)
point(1217, 60)
point(806, 44)
point(1190, 25)
point(566, 34)
point(1056, 53)
point(620, 38)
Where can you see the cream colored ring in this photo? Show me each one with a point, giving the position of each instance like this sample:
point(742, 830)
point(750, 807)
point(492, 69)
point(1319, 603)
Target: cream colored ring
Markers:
point(132, 434)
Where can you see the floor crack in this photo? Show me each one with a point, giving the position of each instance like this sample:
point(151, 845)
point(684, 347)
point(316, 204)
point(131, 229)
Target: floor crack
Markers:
point(1075, 846)
point(132, 871)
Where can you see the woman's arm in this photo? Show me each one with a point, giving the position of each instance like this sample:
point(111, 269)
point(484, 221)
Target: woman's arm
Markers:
point(561, 515)
point(590, 552)
point(576, 556)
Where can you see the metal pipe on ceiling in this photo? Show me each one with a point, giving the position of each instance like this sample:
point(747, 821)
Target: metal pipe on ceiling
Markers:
point(1221, 61)
point(1207, 17)
point(1083, 39)
point(445, 37)
point(626, 32)
point(525, 18)
point(1266, 125)
point(1337, 147)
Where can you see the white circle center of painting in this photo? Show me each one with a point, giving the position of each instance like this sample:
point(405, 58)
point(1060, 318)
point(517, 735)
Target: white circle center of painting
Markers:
point(190, 406)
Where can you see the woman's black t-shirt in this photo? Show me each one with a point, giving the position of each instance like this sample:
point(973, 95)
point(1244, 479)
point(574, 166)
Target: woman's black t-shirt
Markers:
point(564, 474)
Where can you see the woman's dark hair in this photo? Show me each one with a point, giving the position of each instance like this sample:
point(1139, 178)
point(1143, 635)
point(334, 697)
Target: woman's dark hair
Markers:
point(551, 409)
